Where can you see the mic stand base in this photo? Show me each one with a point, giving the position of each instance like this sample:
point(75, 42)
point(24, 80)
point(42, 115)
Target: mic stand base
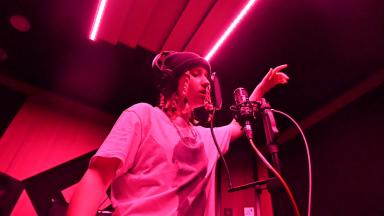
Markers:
point(252, 184)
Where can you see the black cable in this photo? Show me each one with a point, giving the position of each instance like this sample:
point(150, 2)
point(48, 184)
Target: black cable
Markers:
point(277, 174)
point(308, 158)
point(218, 149)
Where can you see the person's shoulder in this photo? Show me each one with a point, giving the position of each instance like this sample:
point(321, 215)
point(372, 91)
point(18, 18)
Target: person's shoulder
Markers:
point(143, 110)
point(140, 107)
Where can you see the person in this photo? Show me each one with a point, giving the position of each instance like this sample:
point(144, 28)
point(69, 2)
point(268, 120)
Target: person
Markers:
point(155, 159)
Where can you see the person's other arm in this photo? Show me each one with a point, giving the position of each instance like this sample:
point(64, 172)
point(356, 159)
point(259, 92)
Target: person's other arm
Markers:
point(92, 187)
point(271, 79)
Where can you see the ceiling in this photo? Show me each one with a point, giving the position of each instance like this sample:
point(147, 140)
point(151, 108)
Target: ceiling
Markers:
point(334, 49)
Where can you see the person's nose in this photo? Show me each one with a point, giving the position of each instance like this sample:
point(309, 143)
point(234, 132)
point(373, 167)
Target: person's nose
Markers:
point(205, 82)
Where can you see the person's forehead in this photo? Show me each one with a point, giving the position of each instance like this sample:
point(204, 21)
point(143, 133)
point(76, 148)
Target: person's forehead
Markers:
point(200, 69)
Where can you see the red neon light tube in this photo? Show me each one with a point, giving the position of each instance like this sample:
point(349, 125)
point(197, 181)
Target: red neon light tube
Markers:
point(96, 22)
point(229, 30)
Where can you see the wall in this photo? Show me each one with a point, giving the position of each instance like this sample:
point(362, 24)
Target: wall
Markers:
point(347, 157)
point(48, 131)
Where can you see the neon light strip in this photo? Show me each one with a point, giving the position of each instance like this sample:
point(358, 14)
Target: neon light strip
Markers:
point(96, 22)
point(229, 29)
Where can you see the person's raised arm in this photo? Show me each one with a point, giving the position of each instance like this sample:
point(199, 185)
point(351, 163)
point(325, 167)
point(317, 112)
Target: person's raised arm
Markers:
point(274, 77)
point(92, 187)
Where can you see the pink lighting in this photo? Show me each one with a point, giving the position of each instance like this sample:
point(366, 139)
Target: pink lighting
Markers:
point(229, 30)
point(20, 23)
point(96, 22)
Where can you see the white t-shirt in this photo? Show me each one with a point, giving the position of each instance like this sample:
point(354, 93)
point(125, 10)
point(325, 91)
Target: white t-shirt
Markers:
point(160, 172)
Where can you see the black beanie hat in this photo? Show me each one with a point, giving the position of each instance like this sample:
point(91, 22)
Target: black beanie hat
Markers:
point(170, 65)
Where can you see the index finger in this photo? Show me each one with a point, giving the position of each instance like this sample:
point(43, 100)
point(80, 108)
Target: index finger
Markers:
point(281, 67)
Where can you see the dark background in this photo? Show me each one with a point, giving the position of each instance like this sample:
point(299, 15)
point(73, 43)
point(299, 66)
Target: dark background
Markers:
point(330, 46)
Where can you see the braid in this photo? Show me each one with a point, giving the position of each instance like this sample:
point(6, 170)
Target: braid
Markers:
point(162, 102)
point(170, 104)
point(208, 105)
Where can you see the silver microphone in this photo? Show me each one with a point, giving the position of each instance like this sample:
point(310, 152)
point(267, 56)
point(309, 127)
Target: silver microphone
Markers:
point(244, 110)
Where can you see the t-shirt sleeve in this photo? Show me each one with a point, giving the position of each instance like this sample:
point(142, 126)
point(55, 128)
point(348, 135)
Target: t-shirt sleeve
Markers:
point(123, 141)
point(222, 135)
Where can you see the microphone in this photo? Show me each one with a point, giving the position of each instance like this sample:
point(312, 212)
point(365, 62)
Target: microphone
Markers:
point(244, 110)
point(216, 91)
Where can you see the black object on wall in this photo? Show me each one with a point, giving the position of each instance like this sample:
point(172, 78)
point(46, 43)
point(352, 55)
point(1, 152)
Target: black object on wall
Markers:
point(10, 190)
point(44, 189)
point(13, 101)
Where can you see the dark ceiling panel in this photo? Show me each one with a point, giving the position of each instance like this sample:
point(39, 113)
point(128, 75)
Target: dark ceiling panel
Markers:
point(330, 47)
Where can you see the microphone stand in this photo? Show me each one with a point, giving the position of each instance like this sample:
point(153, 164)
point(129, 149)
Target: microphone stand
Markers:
point(271, 133)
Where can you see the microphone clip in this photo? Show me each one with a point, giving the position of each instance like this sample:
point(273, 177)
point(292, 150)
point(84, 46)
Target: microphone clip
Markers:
point(245, 111)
